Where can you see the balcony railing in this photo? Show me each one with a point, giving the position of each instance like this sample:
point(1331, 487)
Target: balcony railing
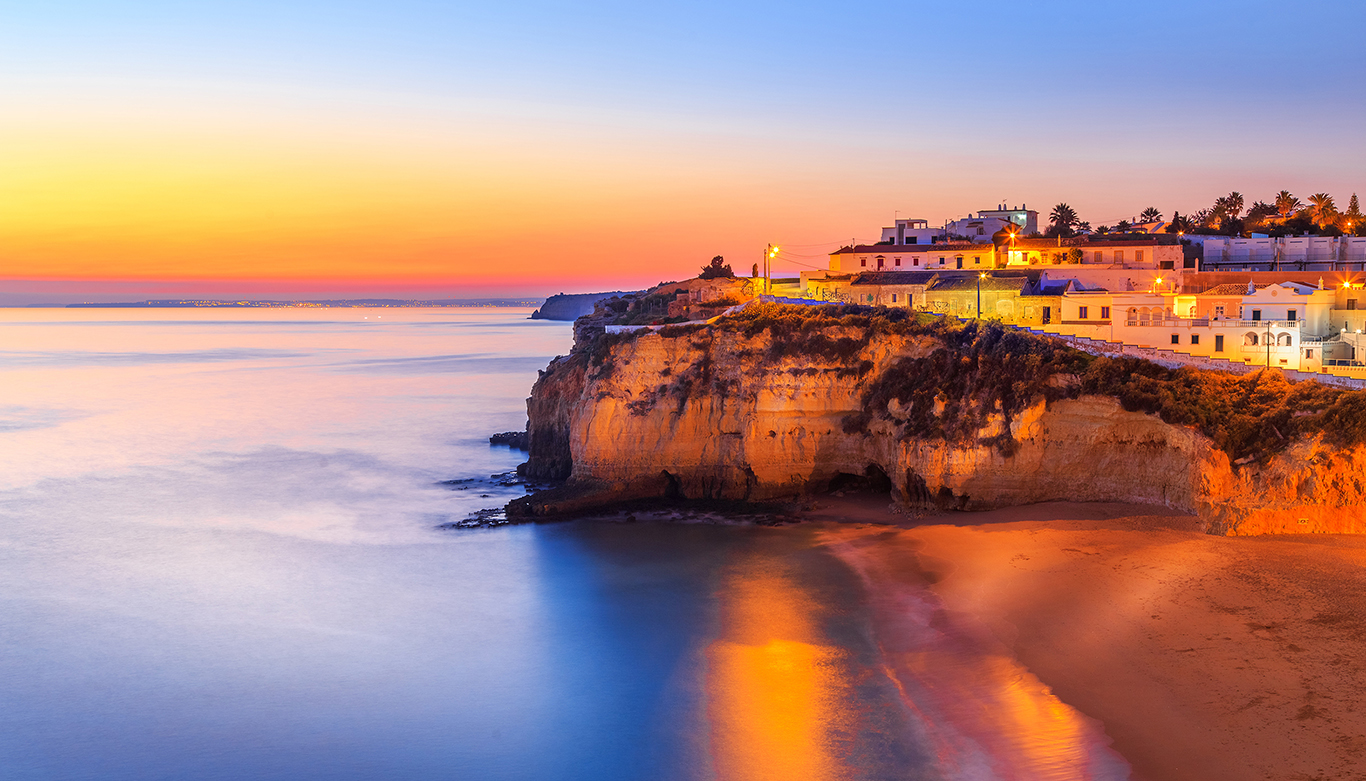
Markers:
point(1202, 322)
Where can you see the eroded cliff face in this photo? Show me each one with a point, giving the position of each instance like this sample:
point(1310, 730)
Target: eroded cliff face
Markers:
point(716, 414)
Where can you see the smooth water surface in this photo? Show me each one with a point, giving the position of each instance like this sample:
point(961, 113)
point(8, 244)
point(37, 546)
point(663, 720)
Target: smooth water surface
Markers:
point(219, 559)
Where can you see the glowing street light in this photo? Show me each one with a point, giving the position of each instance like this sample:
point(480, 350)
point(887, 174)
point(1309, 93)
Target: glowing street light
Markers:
point(980, 276)
point(769, 255)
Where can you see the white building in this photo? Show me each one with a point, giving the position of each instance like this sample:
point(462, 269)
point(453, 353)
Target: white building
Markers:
point(1282, 253)
point(979, 228)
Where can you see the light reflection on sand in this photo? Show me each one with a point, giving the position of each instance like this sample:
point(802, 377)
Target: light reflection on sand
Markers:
point(772, 689)
point(986, 715)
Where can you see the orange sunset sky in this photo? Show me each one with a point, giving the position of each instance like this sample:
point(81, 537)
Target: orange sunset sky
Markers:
point(418, 149)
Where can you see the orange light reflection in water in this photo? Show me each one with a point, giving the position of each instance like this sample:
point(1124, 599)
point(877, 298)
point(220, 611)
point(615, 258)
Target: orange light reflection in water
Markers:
point(773, 691)
point(987, 716)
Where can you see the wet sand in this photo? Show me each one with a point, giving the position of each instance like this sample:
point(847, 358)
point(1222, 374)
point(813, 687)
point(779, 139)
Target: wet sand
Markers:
point(1203, 657)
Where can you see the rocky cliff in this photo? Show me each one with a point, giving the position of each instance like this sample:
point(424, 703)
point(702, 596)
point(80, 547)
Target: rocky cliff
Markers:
point(569, 306)
point(783, 401)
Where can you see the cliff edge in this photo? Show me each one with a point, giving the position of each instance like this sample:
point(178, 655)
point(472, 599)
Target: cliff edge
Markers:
point(780, 401)
point(570, 306)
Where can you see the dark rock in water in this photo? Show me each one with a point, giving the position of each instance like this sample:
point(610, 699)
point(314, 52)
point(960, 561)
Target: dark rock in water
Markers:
point(516, 440)
point(481, 519)
point(570, 306)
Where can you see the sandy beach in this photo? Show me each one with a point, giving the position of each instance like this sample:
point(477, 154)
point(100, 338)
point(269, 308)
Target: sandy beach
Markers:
point(1203, 657)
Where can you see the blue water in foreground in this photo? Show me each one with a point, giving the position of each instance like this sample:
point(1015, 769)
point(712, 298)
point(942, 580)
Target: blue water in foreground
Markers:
point(220, 558)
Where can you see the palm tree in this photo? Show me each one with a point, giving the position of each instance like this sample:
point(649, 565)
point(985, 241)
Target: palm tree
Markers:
point(1233, 203)
point(1286, 204)
point(1063, 216)
point(1203, 218)
point(1122, 226)
point(1322, 209)
point(1150, 214)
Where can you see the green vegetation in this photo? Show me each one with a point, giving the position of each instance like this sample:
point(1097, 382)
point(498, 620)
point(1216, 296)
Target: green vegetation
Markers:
point(986, 368)
point(717, 268)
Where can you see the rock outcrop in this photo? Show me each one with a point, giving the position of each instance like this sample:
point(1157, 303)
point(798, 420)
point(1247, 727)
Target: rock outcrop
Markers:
point(569, 306)
point(744, 414)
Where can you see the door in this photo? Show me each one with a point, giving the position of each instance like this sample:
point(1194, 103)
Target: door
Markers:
point(960, 261)
point(1047, 315)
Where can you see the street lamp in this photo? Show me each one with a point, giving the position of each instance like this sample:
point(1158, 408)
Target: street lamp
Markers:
point(980, 276)
point(769, 255)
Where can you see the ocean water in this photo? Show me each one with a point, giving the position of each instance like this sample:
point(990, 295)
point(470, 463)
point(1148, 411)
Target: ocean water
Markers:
point(220, 558)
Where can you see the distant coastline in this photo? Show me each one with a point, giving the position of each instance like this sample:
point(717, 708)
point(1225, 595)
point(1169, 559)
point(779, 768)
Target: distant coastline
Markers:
point(315, 304)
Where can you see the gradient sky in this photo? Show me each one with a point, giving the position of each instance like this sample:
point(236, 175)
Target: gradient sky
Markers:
point(280, 149)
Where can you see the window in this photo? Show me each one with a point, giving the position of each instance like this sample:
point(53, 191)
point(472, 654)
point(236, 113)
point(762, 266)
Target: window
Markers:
point(913, 240)
point(915, 261)
point(1218, 313)
point(1138, 256)
point(1290, 315)
point(1081, 313)
point(1256, 314)
point(1176, 338)
point(1218, 343)
point(897, 262)
point(1309, 355)
point(894, 298)
point(1100, 256)
point(1195, 338)
point(941, 261)
point(977, 259)
point(1250, 339)
point(1351, 303)
point(863, 261)
point(1119, 256)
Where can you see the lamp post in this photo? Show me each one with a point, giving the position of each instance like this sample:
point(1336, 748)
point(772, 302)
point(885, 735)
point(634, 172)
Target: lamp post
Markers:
point(980, 276)
point(769, 254)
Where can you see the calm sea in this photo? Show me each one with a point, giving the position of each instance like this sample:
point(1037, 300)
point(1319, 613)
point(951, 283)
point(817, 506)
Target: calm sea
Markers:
point(220, 559)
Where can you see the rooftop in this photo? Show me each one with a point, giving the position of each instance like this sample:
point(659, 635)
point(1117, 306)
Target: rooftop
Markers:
point(970, 281)
point(899, 249)
point(1232, 289)
point(895, 278)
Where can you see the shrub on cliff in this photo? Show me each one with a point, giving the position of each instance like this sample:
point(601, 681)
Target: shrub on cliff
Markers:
point(987, 368)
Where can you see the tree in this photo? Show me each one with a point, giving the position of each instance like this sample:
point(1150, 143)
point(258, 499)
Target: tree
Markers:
point(1061, 221)
point(1356, 221)
point(1180, 224)
point(1322, 209)
point(1233, 205)
point(718, 268)
point(1074, 255)
point(1259, 213)
point(1286, 204)
point(1150, 214)
point(1103, 229)
point(1122, 226)
point(1083, 227)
